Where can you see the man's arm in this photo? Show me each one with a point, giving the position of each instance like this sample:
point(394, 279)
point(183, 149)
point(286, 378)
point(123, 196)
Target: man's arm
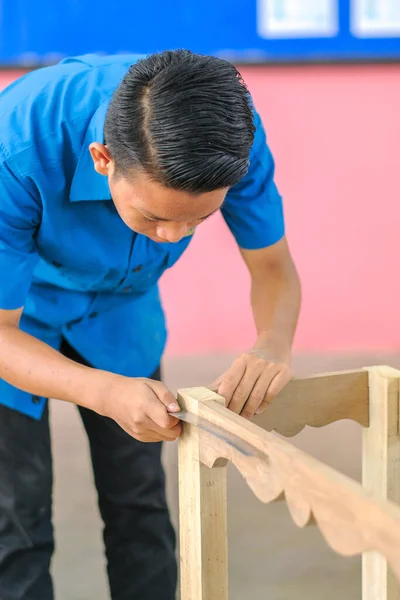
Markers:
point(258, 375)
point(253, 210)
point(138, 405)
point(275, 299)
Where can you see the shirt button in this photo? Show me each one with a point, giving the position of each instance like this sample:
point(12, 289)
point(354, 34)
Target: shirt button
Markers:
point(93, 315)
point(35, 399)
point(127, 289)
point(137, 269)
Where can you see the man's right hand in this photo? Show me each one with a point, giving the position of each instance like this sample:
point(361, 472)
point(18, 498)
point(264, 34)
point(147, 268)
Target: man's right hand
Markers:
point(141, 407)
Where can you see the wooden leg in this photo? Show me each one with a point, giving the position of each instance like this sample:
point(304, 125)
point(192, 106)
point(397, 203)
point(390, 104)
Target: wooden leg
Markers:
point(203, 522)
point(381, 471)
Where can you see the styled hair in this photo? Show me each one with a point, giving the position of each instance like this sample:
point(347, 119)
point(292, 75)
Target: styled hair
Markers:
point(184, 119)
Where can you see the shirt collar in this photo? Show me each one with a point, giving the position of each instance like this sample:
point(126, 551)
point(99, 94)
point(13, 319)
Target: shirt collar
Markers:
point(87, 184)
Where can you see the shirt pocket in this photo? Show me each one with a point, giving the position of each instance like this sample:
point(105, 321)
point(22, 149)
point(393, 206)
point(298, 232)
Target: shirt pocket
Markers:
point(157, 258)
point(147, 264)
point(143, 276)
point(83, 275)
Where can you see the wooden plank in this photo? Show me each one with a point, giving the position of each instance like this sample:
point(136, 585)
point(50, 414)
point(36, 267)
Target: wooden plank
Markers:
point(351, 521)
point(381, 472)
point(202, 514)
point(317, 401)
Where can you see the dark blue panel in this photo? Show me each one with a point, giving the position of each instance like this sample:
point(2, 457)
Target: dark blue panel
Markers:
point(40, 31)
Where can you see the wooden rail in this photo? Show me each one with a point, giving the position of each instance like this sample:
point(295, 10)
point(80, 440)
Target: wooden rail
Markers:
point(354, 519)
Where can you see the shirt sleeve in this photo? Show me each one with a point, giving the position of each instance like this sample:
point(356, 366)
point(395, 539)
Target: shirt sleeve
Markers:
point(20, 216)
point(253, 208)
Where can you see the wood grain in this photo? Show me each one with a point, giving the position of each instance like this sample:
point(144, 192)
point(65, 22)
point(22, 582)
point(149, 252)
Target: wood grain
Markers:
point(317, 401)
point(351, 521)
point(202, 514)
point(381, 472)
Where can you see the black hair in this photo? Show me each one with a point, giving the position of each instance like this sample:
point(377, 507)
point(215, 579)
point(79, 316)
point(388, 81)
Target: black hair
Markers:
point(185, 119)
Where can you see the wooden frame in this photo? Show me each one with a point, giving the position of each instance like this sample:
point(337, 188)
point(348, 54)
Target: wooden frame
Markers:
point(354, 519)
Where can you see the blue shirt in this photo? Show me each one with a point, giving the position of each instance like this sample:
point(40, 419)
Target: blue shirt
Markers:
point(65, 254)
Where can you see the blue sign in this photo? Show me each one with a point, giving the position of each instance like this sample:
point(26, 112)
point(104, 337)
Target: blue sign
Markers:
point(43, 31)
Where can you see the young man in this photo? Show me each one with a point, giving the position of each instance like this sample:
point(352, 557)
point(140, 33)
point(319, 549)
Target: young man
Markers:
point(107, 166)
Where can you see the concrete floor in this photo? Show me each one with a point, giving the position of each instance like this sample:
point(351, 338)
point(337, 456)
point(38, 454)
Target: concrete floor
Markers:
point(269, 558)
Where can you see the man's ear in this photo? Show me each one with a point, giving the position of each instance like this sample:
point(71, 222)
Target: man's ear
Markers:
point(101, 157)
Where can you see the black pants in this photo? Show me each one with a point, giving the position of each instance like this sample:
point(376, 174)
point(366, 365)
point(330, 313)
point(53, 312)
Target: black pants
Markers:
point(139, 538)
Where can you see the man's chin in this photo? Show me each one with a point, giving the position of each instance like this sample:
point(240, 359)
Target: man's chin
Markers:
point(155, 238)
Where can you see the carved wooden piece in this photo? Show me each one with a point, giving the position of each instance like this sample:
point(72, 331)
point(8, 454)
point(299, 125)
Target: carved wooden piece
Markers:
point(317, 401)
point(350, 520)
point(381, 472)
point(203, 520)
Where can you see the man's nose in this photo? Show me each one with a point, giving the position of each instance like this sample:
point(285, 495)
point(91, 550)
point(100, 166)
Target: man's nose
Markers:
point(172, 232)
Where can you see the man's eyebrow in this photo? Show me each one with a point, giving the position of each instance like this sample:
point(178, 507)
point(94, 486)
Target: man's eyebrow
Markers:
point(162, 220)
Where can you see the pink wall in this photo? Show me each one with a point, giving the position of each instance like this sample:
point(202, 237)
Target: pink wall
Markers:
point(335, 134)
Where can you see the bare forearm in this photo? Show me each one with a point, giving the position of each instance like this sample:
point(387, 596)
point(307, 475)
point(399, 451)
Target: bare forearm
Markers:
point(138, 405)
point(276, 298)
point(35, 367)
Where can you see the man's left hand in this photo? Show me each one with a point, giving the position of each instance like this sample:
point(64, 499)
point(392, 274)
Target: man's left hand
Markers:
point(252, 382)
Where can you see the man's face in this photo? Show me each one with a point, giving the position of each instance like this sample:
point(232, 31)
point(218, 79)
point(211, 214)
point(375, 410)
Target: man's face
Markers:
point(149, 208)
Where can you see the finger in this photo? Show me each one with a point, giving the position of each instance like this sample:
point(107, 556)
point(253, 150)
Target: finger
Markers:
point(156, 411)
point(152, 437)
point(143, 434)
point(231, 379)
point(165, 405)
point(246, 385)
point(162, 423)
point(169, 435)
point(151, 427)
point(214, 386)
point(276, 385)
point(164, 395)
point(259, 391)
